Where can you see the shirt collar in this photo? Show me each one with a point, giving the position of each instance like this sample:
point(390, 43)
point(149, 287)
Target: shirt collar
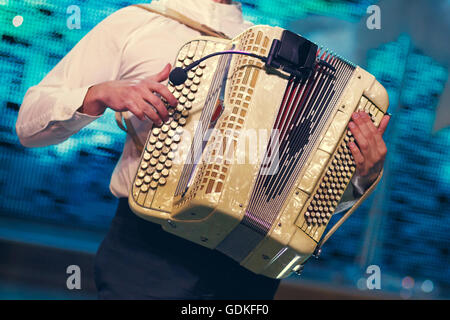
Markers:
point(219, 16)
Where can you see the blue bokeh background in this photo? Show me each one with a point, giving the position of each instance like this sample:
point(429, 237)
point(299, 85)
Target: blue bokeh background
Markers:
point(404, 227)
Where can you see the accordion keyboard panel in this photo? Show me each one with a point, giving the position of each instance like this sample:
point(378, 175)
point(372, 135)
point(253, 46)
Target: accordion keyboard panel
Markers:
point(333, 182)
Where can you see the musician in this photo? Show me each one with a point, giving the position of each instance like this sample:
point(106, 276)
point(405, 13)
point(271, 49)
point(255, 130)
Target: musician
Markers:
point(122, 64)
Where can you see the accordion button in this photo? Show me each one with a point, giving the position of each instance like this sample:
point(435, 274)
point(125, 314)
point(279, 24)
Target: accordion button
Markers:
point(185, 113)
point(176, 116)
point(179, 130)
point(156, 153)
point(168, 164)
point(182, 100)
point(176, 138)
point(151, 170)
point(159, 145)
point(147, 179)
point(162, 181)
point(194, 88)
point(191, 96)
point(165, 150)
point(180, 108)
point(152, 140)
point(179, 87)
point(162, 159)
point(196, 80)
point(156, 131)
point(144, 165)
point(202, 64)
point(185, 91)
point(144, 188)
point(156, 176)
point(150, 147)
point(164, 129)
point(159, 167)
point(171, 89)
point(162, 136)
point(171, 155)
point(173, 124)
point(199, 72)
point(188, 83)
point(188, 105)
point(165, 172)
point(153, 162)
point(191, 75)
point(171, 133)
point(153, 184)
point(168, 142)
point(188, 61)
point(170, 111)
point(138, 182)
point(182, 121)
point(173, 146)
point(147, 156)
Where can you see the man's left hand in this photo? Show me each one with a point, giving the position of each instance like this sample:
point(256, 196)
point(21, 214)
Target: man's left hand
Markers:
point(369, 151)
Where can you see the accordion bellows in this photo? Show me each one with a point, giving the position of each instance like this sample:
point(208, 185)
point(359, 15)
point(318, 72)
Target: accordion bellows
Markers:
point(268, 215)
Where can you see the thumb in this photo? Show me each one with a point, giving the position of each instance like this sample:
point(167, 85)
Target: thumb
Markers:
point(163, 74)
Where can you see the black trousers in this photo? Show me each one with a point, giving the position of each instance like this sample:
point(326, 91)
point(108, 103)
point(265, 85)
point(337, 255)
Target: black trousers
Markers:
point(139, 260)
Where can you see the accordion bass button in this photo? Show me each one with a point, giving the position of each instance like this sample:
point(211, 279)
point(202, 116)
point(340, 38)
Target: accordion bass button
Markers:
point(153, 184)
point(188, 83)
point(159, 145)
point(182, 100)
point(144, 188)
point(153, 162)
point(188, 105)
point(191, 96)
point(162, 159)
point(168, 163)
point(144, 165)
point(159, 167)
point(162, 181)
point(196, 80)
point(185, 91)
point(191, 75)
point(194, 88)
point(202, 64)
point(165, 172)
point(182, 121)
point(147, 179)
point(147, 156)
point(138, 183)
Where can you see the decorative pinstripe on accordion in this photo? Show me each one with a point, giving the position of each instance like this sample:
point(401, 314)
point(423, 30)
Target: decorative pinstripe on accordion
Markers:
point(269, 223)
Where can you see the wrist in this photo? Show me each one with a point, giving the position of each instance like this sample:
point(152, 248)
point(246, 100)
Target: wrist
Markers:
point(93, 103)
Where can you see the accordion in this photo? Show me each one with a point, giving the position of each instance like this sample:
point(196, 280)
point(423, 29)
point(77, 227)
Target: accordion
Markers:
point(253, 160)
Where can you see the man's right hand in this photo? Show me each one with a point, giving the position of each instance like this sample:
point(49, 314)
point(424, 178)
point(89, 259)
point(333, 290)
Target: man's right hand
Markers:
point(140, 98)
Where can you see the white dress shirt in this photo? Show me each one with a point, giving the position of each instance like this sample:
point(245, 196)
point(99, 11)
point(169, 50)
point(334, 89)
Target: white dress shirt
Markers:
point(132, 43)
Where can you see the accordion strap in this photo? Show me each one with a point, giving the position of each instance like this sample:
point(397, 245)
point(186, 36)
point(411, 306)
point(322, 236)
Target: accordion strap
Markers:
point(174, 15)
point(336, 226)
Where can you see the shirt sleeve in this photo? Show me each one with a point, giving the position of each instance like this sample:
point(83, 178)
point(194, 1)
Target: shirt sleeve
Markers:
point(48, 114)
